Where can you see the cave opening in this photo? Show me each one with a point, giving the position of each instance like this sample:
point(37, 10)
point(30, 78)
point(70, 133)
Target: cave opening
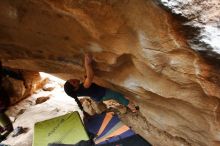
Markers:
point(46, 100)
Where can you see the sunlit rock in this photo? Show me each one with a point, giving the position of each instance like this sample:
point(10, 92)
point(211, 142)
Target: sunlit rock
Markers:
point(138, 49)
point(202, 21)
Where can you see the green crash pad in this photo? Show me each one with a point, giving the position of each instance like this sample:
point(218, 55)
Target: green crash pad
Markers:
point(66, 129)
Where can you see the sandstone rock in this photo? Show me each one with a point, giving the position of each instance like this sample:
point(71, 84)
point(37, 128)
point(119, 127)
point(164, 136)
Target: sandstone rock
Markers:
point(15, 89)
point(18, 89)
point(48, 87)
point(138, 49)
point(31, 81)
point(42, 99)
point(202, 21)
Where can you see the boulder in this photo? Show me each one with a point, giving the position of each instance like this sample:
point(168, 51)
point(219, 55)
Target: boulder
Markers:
point(138, 49)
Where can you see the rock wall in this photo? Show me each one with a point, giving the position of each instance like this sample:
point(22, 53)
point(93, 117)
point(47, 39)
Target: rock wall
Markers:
point(18, 84)
point(138, 49)
point(202, 17)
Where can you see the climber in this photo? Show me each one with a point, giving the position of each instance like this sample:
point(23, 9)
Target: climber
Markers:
point(74, 88)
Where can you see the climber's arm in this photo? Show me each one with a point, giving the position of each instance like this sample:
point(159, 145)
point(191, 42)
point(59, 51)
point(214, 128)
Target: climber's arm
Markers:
point(89, 71)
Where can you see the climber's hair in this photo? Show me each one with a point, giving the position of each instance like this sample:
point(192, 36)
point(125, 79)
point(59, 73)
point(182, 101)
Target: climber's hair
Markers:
point(70, 90)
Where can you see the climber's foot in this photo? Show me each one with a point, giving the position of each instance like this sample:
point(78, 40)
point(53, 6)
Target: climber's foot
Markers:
point(132, 107)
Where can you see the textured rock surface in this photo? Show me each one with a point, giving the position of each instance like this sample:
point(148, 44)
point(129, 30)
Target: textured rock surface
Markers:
point(17, 84)
point(205, 17)
point(137, 50)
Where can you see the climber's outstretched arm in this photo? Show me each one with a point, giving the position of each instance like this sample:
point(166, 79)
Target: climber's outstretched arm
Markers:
point(89, 71)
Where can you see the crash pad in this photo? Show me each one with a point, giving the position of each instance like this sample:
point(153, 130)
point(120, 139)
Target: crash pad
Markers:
point(66, 129)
